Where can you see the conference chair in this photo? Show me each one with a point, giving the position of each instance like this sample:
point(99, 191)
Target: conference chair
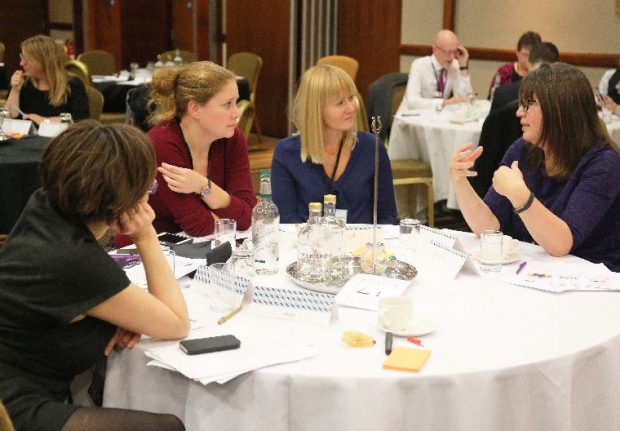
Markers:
point(248, 65)
point(80, 70)
point(385, 95)
point(95, 102)
point(246, 116)
point(5, 421)
point(346, 63)
point(99, 62)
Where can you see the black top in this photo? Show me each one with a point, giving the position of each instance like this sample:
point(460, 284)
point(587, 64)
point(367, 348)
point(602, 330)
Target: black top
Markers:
point(33, 101)
point(50, 272)
point(612, 86)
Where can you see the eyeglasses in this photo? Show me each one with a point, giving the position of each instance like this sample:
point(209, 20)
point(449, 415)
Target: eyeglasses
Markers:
point(23, 58)
point(153, 188)
point(448, 51)
point(527, 103)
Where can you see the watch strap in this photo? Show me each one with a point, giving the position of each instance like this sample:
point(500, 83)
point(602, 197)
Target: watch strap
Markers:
point(526, 205)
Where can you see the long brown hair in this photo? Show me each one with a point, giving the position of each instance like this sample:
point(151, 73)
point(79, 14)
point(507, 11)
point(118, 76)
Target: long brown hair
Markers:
point(93, 172)
point(174, 87)
point(570, 123)
point(48, 55)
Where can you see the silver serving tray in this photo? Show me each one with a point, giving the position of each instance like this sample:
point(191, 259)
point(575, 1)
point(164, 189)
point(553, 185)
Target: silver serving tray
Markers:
point(350, 266)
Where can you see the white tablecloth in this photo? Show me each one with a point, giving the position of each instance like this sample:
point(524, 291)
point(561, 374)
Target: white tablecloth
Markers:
point(503, 358)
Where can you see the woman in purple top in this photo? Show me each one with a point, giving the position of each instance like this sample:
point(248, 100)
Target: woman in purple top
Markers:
point(559, 185)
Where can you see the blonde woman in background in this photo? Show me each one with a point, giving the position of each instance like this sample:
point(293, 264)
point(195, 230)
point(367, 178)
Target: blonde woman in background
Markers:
point(329, 155)
point(43, 90)
point(201, 154)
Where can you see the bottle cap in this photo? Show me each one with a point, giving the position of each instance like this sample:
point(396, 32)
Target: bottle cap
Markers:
point(329, 199)
point(315, 206)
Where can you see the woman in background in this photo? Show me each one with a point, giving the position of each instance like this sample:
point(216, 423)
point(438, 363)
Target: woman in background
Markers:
point(558, 185)
point(66, 309)
point(329, 155)
point(43, 90)
point(514, 71)
point(201, 154)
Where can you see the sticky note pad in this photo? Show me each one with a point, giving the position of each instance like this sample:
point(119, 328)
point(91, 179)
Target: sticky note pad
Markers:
point(406, 359)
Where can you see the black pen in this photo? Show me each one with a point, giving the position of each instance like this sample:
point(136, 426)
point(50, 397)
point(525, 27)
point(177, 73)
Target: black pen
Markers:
point(388, 343)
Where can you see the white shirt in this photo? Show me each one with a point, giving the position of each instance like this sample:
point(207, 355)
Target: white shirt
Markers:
point(603, 84)
point(421, 89)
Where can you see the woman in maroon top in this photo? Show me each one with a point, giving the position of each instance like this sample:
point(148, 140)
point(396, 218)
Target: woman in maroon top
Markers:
point(202, 157)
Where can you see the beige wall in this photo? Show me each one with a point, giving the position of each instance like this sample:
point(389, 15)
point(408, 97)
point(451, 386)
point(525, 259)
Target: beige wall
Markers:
point(585, 26)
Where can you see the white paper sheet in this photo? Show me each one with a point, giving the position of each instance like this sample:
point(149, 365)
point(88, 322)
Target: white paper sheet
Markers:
point(364, 290)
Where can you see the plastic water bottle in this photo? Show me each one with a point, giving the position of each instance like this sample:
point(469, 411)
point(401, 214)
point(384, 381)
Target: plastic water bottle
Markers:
point(265, 226)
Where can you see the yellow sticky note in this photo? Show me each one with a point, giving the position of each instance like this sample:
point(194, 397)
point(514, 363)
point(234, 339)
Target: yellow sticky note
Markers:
point(406, 359)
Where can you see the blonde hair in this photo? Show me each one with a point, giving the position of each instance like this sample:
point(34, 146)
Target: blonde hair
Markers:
point(174, 87)
point(319, 85)
point(46, 53)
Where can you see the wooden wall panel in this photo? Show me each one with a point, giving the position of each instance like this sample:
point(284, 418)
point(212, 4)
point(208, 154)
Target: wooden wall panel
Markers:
point(145, 30)
point(202, 29)
point(370, 33)
point(262, 27)
point(18, 22)
point(104, 27)
point(183, 24)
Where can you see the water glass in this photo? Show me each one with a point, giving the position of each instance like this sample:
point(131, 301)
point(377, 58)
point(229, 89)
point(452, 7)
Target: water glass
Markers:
point(491, 250)
point(409, 232)
point(225, 230)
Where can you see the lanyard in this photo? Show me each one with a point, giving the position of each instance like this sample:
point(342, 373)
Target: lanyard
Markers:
point(437, 77)
point(333, 175)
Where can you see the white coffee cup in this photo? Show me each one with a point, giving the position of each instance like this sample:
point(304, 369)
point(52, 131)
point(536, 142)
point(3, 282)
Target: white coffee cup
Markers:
point(395, 313)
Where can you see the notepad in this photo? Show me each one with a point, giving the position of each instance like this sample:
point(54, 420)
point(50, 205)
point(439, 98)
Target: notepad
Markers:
point(406, 359)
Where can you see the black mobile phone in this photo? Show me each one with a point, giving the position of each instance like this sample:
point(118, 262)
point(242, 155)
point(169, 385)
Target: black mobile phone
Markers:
point(210, 344)
point(171, 238)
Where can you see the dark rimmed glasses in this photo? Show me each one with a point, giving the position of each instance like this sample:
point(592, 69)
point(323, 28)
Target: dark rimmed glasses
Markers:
point(527, 103)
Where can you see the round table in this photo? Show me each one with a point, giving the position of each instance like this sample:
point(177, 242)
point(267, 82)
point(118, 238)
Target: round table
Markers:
point(19, 176)
point(503, 358)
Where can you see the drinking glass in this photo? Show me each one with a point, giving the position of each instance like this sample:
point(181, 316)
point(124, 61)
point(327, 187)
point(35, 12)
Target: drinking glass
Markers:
point(409, 232)
point(491, 250)
point(225, 230)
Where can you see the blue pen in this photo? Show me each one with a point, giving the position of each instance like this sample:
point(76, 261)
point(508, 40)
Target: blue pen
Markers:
point(521, 266)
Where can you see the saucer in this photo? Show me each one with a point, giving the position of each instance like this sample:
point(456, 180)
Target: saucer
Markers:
point(509, 258)
point(417, 328)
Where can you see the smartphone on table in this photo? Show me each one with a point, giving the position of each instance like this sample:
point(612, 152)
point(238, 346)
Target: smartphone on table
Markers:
point(218, 343)
point(172, 239)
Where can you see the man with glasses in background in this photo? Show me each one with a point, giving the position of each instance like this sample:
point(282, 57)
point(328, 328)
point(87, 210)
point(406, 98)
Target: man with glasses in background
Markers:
point(439, 79)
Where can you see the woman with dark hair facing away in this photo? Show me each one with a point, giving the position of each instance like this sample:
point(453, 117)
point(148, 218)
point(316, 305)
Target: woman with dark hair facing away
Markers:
point(43, 90)
point(329, 155)
point(558, 185)
point(65, 309)
point(514, 71)
point(201, 154)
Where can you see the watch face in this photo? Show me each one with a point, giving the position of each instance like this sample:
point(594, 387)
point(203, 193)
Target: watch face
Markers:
point(205, 192)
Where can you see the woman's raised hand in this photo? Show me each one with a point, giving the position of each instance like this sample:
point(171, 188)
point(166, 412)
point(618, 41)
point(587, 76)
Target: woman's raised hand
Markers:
point(508, 181)
point(462, 160)
point(17, 80)
point(136, 221)
point(182, 180)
